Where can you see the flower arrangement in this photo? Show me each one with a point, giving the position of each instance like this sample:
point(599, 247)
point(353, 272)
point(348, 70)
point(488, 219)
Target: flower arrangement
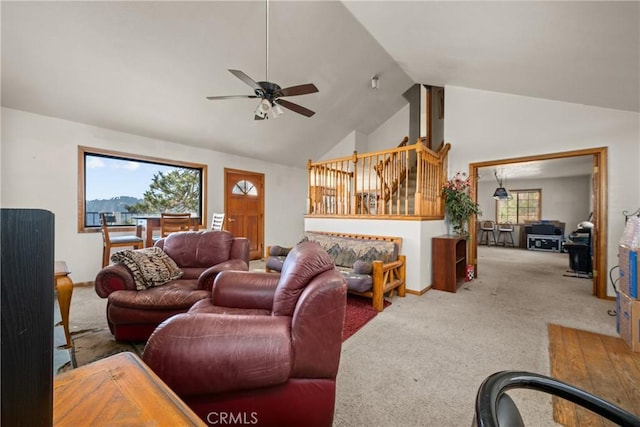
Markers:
point(457, 203)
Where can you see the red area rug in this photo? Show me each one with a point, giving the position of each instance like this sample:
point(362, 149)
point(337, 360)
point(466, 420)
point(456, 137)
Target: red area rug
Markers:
point(359, 311)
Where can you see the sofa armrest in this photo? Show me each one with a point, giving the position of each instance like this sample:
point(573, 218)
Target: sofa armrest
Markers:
point(114, 277)
point(207, 277)
point(202, 354)
point(386, 278)
point(243, 289)
point(240, 249)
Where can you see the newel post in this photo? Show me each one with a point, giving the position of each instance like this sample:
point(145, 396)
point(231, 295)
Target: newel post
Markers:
point(354, 195)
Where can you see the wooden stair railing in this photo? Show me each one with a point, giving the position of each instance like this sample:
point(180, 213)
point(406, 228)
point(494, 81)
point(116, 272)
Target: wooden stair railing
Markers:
point(402, 181)
point(397, 175)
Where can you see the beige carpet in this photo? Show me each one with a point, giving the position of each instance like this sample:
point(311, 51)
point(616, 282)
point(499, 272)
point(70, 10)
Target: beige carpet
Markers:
point(421, 361)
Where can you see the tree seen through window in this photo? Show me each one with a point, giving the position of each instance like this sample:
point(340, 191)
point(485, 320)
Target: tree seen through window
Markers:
point(522, 206)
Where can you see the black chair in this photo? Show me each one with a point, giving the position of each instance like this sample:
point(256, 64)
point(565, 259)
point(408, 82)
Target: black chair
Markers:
point(495, 408)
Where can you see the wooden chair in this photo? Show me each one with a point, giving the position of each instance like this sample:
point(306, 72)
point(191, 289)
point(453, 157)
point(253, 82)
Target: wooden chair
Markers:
point(217, 222)
point(109, 242)
point(174, 222)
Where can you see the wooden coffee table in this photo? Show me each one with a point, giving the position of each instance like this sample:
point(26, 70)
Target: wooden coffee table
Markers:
point(117, 390)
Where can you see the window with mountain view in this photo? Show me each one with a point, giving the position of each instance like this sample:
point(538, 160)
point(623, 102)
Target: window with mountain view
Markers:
point(125, 186)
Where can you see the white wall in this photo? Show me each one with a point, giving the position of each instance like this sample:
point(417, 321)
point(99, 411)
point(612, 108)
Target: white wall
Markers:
point(390, 133)
point(40, 170)
point(483, 126)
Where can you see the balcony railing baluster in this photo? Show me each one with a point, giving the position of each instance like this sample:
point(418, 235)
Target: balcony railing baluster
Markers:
point(380, 183)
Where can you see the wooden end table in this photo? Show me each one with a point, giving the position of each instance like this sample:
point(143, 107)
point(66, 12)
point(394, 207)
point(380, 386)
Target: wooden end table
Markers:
point(64, 288)
point(117, 390)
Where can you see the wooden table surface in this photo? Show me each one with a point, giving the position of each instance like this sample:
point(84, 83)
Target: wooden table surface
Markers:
point(117, 391)
point(153, 223)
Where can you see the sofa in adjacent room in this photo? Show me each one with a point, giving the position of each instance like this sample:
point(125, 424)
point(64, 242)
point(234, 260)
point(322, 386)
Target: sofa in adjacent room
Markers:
point(147, 286)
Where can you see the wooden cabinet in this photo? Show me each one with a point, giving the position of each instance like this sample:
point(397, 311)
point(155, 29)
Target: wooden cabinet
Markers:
point(449, 262)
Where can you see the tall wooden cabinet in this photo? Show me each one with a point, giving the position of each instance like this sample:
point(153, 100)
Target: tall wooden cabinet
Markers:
point(448, 262)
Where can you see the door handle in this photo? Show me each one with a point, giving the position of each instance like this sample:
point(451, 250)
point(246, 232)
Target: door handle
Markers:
point(231, 219)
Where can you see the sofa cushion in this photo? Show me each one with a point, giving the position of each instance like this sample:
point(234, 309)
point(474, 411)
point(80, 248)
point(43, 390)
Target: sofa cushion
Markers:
point(149, 267)
point(279, 251)
point(175, 295)
point(275, 262)
point(198, 248)
point(345, 250)
point(362, 267)
point(355, 281)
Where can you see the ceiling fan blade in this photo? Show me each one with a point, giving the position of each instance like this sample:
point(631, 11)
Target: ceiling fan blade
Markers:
point(248, 80)
point(295, 107)
point(231, 97)
point(298, 90)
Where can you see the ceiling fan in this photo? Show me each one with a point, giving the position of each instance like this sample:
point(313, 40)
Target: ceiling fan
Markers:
point(270, 93)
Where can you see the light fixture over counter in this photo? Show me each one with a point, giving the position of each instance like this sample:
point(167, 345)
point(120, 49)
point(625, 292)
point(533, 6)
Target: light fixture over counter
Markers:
point(501, 193)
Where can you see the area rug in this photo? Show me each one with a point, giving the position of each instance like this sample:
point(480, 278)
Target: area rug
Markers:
point(96, 344)
point(358, 313)
point(600, 364)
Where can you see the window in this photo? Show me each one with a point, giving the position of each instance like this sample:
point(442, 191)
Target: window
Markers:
point(126, 185)
point(245, 188)
point(524, 205)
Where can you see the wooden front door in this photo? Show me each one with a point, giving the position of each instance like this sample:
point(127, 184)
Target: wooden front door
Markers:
point(244, 208)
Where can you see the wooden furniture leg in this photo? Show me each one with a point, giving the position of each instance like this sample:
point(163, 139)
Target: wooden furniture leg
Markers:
point(64, 289)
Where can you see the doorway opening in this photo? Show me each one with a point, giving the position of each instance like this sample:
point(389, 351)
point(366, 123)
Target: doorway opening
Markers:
point(598, 202)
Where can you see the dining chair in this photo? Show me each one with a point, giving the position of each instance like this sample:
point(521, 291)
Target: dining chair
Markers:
point(174, 222)
point(217, 222)
point(109, 241)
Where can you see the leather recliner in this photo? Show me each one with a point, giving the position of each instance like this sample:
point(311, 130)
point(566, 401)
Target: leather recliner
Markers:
point(263, 350)
point(133, 314)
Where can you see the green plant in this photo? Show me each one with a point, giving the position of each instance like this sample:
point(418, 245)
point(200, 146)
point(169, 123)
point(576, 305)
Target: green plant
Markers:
point(458, 204)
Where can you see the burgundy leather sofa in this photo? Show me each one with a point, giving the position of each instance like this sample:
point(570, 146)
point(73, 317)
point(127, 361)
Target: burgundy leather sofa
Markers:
point(263, 350)
point(133, 314)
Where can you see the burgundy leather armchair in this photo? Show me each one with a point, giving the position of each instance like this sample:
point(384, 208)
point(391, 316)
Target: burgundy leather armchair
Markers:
point(263, 350)
point(133, 314)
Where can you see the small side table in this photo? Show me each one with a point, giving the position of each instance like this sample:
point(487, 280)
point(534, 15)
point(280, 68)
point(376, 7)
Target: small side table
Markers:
point(120, 390)
point(64, 289)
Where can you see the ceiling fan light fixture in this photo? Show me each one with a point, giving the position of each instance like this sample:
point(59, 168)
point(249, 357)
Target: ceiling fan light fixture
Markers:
point(276, 110)
point(263, 108)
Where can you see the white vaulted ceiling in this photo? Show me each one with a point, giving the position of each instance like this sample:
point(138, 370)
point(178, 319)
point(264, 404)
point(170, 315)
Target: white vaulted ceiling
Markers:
point(146, 67)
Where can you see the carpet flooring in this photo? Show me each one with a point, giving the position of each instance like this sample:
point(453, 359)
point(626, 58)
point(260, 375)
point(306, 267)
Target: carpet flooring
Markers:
point(96, 344)
point(600, 364)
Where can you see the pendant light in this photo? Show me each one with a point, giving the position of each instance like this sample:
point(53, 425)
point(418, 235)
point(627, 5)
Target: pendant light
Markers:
point(501, 193)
